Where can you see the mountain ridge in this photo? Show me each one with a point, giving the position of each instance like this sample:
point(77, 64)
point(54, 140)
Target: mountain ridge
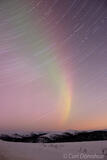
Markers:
point(56, 136)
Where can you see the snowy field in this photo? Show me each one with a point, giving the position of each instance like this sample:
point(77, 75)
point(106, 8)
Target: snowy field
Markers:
point(59, 151)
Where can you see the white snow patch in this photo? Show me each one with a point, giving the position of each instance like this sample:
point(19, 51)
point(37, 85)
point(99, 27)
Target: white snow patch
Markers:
point(52, 151)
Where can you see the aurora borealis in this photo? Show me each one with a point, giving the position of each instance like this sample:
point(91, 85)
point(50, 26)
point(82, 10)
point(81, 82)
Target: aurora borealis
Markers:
point(53, 64)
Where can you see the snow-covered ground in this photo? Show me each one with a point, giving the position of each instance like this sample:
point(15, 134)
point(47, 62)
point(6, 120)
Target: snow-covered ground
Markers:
point(59, 151)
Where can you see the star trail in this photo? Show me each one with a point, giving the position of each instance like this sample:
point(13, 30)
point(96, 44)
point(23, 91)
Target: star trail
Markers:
point(53, 64)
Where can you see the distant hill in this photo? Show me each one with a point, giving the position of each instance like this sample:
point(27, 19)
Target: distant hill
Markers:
point(56, 137)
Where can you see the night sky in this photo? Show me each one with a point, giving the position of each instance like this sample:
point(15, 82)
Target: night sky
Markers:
point(53, 64)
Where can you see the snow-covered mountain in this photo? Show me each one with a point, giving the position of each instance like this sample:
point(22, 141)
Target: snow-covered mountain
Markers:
point(55, 136)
